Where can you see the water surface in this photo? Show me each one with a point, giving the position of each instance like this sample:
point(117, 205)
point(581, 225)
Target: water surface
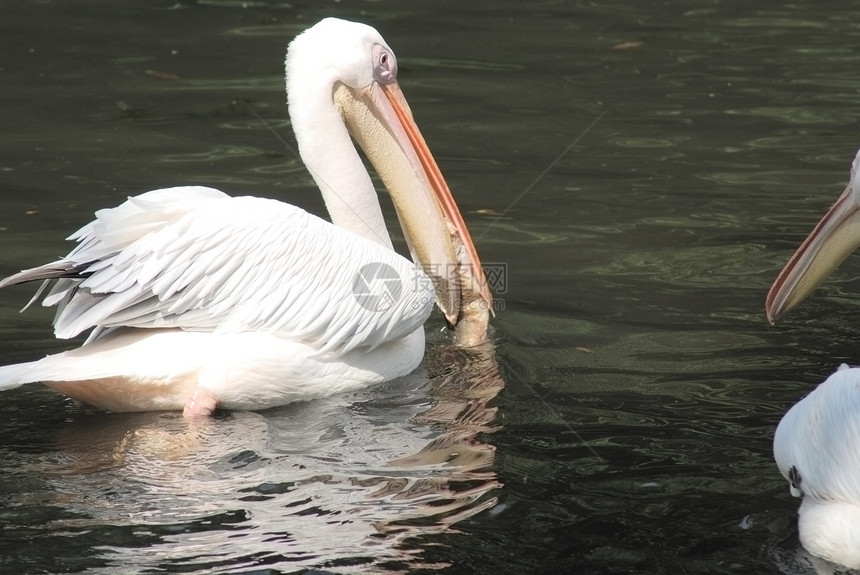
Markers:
point(642, 169)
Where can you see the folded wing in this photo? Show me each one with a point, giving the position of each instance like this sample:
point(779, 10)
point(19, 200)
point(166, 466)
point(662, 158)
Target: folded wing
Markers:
point(196, 259)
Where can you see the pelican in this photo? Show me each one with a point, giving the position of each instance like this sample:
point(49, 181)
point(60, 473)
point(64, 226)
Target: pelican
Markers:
point(198, 300)
point(817, 443)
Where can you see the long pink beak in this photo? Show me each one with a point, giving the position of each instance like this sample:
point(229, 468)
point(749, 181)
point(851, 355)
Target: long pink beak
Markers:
point(834, 238)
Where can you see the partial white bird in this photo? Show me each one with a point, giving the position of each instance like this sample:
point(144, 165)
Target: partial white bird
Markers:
point(200, 300)
point(817, 443)
point(817, 449)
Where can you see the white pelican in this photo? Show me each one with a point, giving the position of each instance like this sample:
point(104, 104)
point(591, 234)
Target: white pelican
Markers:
point(817, 449)
point(817, 443)
point(201, 301)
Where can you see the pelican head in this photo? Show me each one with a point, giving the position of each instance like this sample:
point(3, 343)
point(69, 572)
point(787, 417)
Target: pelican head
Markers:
point(832, 240)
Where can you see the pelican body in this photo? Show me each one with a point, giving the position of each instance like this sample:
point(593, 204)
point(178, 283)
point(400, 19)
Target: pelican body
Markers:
point(198, 300)
point(817, 449)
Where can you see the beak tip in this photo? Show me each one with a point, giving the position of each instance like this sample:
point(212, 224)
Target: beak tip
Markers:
point(773, 313)
point(768, 312)
point(775, 302)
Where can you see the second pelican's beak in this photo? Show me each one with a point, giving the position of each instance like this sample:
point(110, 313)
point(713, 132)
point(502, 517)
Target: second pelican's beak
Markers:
point(835, 237)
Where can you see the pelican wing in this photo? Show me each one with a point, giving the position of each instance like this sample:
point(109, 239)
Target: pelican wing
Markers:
point(196, 259)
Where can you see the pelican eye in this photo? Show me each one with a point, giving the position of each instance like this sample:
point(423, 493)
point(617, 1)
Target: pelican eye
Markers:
point(384, 65)
point(794, 477)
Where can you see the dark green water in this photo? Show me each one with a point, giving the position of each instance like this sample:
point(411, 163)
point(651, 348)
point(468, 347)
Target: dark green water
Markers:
point(643, 169)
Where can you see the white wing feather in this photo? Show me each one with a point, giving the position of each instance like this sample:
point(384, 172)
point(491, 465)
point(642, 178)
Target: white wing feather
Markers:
point(197, 259)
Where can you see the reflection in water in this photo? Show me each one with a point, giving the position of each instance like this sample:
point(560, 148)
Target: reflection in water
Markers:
point(337, 483)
